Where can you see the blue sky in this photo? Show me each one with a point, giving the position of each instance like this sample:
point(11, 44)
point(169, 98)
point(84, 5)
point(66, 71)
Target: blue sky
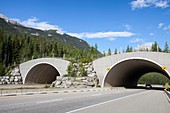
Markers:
point(109, 23)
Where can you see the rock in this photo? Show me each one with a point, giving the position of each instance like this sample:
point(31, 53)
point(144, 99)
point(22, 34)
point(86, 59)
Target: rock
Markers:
point(16, 80)
point(76, 83)
point(84, 80)
point(16, 83)
point(6, 80)
point(11, 79)
point(65, 78)
point(6, 77)
point(59, 78)
point(58, 83)
point(90, 79)
point(91, 74)
point(68, 83)
point(90, 84)
point(3, 82)
point(72, 78)
point(20, 82)
point(89, 69)
point(16, 74)
point(19, 77)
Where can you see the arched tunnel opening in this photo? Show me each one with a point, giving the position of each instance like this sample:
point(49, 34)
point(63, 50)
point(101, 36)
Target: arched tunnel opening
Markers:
point(41, 74)
point(127, 73)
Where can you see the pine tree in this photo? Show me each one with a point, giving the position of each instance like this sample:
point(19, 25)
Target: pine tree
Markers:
point(166, 47)
point(155, 47)
point(109, 52)
point(115, 51)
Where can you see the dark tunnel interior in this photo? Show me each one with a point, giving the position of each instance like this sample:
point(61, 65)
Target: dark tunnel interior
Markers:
point(42, 74)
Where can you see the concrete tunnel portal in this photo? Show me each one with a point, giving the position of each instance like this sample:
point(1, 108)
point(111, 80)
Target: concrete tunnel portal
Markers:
point(41, 74)
point(126, 73)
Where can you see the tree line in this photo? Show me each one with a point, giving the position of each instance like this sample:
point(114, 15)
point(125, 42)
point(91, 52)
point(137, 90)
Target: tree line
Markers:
point(154, 48)
point(16, 49)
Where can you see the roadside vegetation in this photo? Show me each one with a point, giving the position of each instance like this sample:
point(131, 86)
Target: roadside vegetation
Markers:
point(154, 78)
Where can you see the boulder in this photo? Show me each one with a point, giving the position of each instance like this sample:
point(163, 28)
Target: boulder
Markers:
point(59, 78)
point(58, 83)
point(91, 74)
point(90, 84)
point(6, 77)
point(68, 83)
point(16, 80)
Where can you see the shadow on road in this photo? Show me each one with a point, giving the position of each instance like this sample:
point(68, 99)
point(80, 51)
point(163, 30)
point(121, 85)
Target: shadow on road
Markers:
point(143, 87)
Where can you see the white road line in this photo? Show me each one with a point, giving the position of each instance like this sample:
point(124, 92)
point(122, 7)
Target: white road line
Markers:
point(48, 101)
point(96, 95)
point(167, 97)
point(106, 102)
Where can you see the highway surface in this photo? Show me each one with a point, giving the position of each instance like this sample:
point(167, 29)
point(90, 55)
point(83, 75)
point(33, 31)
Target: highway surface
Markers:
point(124, 101)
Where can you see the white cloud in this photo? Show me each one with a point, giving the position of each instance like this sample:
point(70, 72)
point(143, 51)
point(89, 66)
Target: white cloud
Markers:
point(145, 46)
point(139, 4)
point(137, 40)
point(166, 27)
point(108, 35)
point(35, 23)
point(162, 4)
point(163, 26)
point(160, 25)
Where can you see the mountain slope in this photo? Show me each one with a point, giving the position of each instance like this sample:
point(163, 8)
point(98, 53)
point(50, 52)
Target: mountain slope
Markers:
point(12, 27)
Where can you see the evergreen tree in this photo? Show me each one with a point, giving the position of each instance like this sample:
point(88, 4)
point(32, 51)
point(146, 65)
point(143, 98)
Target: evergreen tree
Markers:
point(166, 47)
point(109, 52)
point(155, 47)
point(96, 51)
point(115, 51)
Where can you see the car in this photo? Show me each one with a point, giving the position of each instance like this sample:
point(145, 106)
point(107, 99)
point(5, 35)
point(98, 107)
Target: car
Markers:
point(148, 86)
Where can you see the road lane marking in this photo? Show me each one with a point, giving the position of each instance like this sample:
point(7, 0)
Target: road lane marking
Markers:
point(106, 102)
point(96, 95)
point(167, 97)
point(48, 101)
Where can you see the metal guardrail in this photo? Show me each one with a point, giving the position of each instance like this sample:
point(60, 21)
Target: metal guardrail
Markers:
point(168, 94)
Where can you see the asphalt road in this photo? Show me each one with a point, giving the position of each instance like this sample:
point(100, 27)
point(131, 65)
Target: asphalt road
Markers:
point(125, 101)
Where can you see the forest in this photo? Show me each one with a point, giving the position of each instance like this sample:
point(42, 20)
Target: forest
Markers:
point(17, 48)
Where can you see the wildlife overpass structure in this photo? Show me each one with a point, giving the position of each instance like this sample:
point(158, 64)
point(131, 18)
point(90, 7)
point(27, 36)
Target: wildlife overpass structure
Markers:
point(125, 69)
point(43, 70)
